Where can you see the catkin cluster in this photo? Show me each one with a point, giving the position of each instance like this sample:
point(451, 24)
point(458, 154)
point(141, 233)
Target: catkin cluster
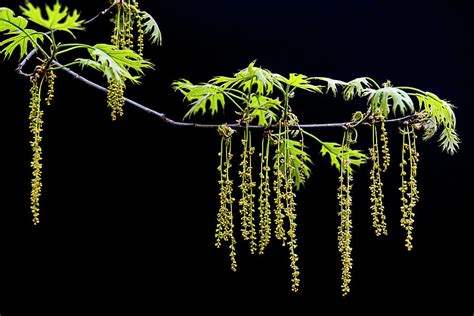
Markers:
point(376, 187)
point(345, 214)
point(409, 188)
point(384, 140)
point(284, 199)
point(225, 221)
point(127, 17)
point(264, 198)
point(140, 28)
point(36, 128)
point(246, 202)
point(290, 212)
point(278, 187)
point(116, 98)
point(51, 76)
point(284, 211)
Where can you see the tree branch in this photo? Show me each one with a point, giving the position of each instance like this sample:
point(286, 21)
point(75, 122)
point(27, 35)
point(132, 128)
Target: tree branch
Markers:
point(21, 65)
point(169, 121)
point(162, 116)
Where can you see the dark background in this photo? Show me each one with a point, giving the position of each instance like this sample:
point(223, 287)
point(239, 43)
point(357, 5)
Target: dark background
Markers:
point(128, 208)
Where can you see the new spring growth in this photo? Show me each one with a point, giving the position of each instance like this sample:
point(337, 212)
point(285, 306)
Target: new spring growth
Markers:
point(384, 140)
point(140, 28)
point(409, 188)
point(278, 183)
point(51, 76)
point(264, 198)
point(246, 202)
point(290, 212)
point(345, 203)
point(376, 192)
point(128, 14)
point(116, 99)
point(36, 128)
point(225, 221)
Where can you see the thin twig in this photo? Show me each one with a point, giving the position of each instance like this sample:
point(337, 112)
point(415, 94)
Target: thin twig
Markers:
point(169, 121)
point(104, 12)
point(22, 64)
point(162, 116)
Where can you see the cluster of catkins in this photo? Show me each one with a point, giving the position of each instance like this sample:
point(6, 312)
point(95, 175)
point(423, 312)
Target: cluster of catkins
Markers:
point(127, 18)
point(284, 210)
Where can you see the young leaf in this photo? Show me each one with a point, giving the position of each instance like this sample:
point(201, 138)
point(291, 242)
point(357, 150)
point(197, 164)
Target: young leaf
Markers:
point(248, 78)
point(152, 29)
point(442, 113)
point(389, 97)
point(300, 82)
point(449, 140)
point(300, 162)
point(9, 22)
point(356, 87)
point(333, 150)
point(58, 18)
point(114, 62)
point(200, 96)
point(439, 109)
point(332, 84)
point(336, 154)
point(20, 39)
point(262, 108)
point(20, 36)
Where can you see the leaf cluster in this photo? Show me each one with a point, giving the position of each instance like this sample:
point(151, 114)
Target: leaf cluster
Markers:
point(115, 64)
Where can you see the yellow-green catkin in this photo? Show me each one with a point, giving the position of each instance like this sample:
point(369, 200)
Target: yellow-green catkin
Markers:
point(345, 214)
point(278, 183)
point(384, 140)
point(376, 187)
point(264, 198)
point(290, 212)
point(246, 202)
point(116, 99)
point(122, 38)
point(409, 188)
point(36, 128)
point(51, 76)
point(225, 221)
point(140, 28)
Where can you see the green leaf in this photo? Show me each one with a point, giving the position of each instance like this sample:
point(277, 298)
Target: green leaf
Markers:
point(262, 108)
point(15, 27)
point(449, 140)
point(11, 23)
point(300, 82)
point(249, 78)
point(300, 161)
point(58, 18)
point(152, 29)
point(201, 96)
point(356, 87)
point(387, 98)
point(333, 150)
point(115, 63)
point(332, 84)
point(440, 110)
point(337, 154)
point(442, 113)
point(21, 40)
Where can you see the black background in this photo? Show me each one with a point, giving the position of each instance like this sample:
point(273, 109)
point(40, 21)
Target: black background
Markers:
point(128, 208)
